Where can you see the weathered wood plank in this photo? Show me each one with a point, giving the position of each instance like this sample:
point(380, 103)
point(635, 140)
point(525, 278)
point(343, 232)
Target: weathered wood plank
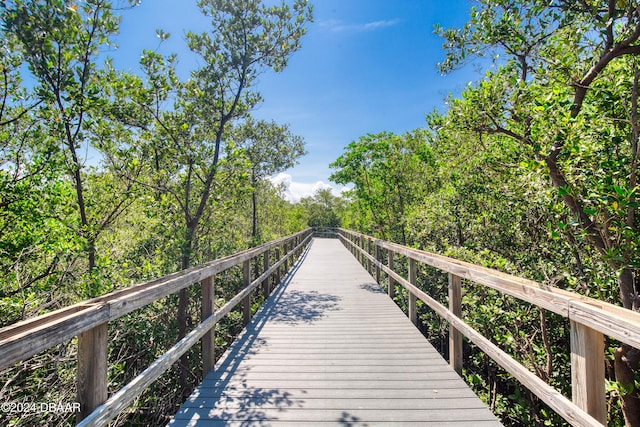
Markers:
point(266, 291)
point(322, 367)
point(342, 403)
point(24, 339)
point(438, 393)
point(391, 287)
point(246, 302)
point(455, 337)
point(616, 322)
point(208, 291)
point(587, 371)
point(92, 369)
point(343, 416)
point(413, 277)
point(344, 420)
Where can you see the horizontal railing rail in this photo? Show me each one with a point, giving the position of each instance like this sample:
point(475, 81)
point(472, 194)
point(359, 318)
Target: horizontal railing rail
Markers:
point(326, 232)
point(590, 321)
point(88, 321)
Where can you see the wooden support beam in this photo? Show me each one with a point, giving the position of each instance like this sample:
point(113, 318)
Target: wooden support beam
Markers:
point(368, 250)
point(278, 277)
point(377, 254)
point(266, 291)
point(413, 276)
point(287, 263)
point(587, 371)
point(209, 339)
point(391, 290)
point(455, 337)
point(92, 369)
point(246, 302)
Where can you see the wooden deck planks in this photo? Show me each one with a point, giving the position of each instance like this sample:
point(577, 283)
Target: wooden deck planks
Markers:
point(330, 348)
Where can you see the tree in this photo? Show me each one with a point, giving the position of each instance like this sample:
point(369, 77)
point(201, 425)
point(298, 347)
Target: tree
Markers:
point(383, 168)
point(60, 43)
point(567, 90)
point(323, 209)
point(246, 38)
point(27, 161)
point(270, 148)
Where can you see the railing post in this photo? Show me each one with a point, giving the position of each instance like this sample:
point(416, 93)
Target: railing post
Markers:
point(265, 284)
point(352, 246)
point(377, 250)
point(285, 250)
point(246, 301)
point(391, 290)
point(208, 342)
point(587, 371)
point(369, 270)
point(455, 337)
point(279, 267)
point(413, 276)
point(92, 369)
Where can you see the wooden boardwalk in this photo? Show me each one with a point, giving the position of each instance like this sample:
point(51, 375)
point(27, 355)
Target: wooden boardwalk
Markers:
point(330, 348)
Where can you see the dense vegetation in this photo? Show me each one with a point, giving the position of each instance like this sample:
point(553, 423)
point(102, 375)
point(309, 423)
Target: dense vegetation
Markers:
point(110, 178)
point(533, 170)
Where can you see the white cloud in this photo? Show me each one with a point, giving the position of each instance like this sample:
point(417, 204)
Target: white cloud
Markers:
point(380, 24)
point(294, 191)
point(338, 26)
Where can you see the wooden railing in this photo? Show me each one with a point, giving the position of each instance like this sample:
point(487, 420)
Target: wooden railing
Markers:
point(590, 321)
point(88, 321)
point(326, 232)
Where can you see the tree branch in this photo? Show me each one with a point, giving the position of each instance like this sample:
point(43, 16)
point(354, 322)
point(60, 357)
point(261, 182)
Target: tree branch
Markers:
point(623, 48)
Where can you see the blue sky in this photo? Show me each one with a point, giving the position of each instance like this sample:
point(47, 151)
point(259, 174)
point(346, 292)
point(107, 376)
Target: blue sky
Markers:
point(365, 66)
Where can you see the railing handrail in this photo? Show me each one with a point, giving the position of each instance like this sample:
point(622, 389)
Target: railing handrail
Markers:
point(26, 338)
point(590, 320)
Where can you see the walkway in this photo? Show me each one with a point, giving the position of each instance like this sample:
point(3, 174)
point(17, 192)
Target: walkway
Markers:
point(330, 348)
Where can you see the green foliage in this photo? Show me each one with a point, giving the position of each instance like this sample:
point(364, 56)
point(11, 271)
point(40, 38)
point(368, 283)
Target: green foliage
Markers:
point(323, 209)
point(270, 148)
point(162, 185)
point(59, 43)
point(382, 167)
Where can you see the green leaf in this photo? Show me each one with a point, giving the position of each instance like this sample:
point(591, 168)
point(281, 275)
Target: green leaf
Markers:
point(621, 192)
point(162, 35)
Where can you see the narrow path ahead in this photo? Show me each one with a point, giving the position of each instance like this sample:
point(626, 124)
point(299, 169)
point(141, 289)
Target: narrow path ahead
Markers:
point(330, 348)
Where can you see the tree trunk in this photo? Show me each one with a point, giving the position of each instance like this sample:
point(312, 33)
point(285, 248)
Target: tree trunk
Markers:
point(91, 259)
point(626, 364)
point(626, 358)
point(183, 304)
point(254, 211)
point(628, 291)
